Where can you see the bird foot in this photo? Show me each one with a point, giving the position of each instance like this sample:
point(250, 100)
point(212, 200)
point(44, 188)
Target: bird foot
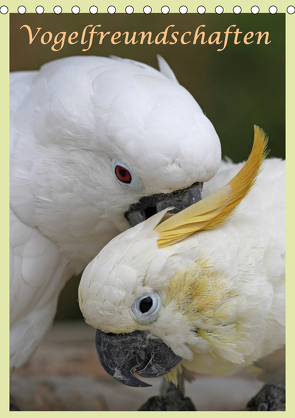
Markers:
point(167, 403)
point(270, 398)
point(172, 400)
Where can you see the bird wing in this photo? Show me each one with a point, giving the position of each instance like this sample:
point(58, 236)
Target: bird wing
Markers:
point(36, 270)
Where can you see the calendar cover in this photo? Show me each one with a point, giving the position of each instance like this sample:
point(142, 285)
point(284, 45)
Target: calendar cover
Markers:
point(116, 113)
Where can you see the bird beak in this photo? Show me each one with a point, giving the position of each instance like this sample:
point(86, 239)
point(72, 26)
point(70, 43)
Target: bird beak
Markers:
point(148, 206)
point(123, 354)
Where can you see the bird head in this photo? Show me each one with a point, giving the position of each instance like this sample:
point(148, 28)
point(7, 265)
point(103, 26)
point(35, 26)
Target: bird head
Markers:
point(116, 140)
point(153, 297)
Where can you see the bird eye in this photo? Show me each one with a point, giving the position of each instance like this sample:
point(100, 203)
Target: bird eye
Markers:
point(126, 176)
point(123, 174)
point(145, 309)
point(146, 304)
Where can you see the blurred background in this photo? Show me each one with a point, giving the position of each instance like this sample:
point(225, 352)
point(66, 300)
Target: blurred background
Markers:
point(236, 88)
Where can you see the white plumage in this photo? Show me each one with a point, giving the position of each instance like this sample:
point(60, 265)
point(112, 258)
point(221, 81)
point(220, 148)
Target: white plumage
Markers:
point(219, 294)
point(72, 122)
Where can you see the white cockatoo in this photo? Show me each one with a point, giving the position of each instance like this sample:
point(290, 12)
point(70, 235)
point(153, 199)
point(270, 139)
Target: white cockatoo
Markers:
point(97, 144)
point(203, 288)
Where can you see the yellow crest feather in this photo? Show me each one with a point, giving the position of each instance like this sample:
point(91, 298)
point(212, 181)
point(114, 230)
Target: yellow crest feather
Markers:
point(216, 208)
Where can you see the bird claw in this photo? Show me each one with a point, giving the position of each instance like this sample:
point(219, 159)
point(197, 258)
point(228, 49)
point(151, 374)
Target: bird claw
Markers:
point(172, 399)
point(270, 398)
point(168, 403)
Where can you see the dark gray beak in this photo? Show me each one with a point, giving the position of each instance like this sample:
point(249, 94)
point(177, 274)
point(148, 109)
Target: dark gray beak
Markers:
point(150, 205)
point(121, 354)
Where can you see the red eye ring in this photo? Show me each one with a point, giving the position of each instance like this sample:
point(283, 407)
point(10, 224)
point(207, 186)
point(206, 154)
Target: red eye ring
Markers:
point(123, 174)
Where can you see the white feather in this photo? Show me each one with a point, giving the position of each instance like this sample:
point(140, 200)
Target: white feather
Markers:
point(69, 122)
point(245, 256)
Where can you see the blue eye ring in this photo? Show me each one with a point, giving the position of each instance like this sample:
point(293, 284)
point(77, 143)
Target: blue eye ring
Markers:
point(145, 309)
point(126, 176)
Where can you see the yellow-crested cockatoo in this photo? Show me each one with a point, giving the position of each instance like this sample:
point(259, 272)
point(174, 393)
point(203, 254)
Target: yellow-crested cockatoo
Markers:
point(97, 144)
point(203, 289)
